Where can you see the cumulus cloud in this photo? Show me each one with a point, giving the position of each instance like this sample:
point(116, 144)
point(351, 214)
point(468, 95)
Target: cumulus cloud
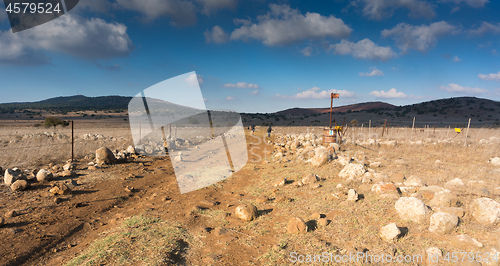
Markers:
point(390, 94)
point(420, 38)
point(70, 34)
point(307, 51)
point(380, 9)
point(216, 35)
point(229, 98)
point(485, 28)
point(211, 6)
point(374, 72)
point(194, 79)
point(242, 85)
point(317, 93)
point(364, 49)
point(455, 88)
point(180, 12)
point(471, 3)
point(284, 25)
point(492, 76)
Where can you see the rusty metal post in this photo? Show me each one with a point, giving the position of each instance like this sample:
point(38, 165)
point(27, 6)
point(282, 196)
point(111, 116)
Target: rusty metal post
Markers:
point(72, 142)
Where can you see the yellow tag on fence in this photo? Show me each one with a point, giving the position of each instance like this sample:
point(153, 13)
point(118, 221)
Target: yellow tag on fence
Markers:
point(458, 130)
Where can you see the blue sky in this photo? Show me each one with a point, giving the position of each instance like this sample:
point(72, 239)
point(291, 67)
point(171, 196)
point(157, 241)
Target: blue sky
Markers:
point(260, 56)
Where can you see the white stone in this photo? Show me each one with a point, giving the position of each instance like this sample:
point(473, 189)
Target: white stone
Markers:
point(495, 161)
point(352, 170)
point(412, 209)
point(442, 222)
point(390, 232)
point(352, 195)
point(485, 211)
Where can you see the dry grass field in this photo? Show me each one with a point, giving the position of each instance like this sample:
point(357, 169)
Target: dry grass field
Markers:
point(104, 222)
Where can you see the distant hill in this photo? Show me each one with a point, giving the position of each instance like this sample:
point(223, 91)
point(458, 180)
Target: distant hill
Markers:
point(344, 108)
point(71, 104)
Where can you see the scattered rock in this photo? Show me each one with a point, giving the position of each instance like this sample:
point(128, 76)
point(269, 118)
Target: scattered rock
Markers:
point(2, 221)
point(281, 181)
point(67, 173)
point(352, 195)
point(92, 168)
point(129, 189)
point(69, 167)
point(104, 156)
point(485, 211)
point(321, 156)
point(434, 255)
point(60, 189)
point(43, 175)
point(412, 209)
point(454, 210)
point(442, 222)
point(454, 183)
point(131, 150)
point(465, 241)
point(246, 212)
point(390, 232)
point(385, 188)
point(398, 178)
point(19, 185)
point(444, 198)
point(495, 161)
point(57, 200)
point(296, 226)
point(262, 199)
point(207, 203)
point(322, 222)
point(429, 192)
point(309, 179)
point(352, 170)
point(413, 181)
point(10, 176)
point(11, 213)
point(315, 216)
point(297, 183)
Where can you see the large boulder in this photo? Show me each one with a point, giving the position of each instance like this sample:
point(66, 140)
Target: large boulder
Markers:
point(104, 156)
point(43, 175)
point(296, 226)
point(246, 212)
point(19, 185)
point(309, 179)
point(390, 232)
point(321, 156)
point(412, 209)
point(352, 170)
point(485, 211)
point(444, 198)
point(442, 222)
point(10, 176)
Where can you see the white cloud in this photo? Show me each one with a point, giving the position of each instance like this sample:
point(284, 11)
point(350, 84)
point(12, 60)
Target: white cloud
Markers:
point(492, 76)
point(379, 9)
point(471, 3)
point(211, 6)
point(284, 25)
point(374, 72)
point(457, 59)
point(364, 49)
point(255, 92)
point(420, 38)
point(216, 35)
point(229, 98)
point(242, 85)
point(194, 80)
point(70, 34)
point(485, 28)
point(181, 13)
point(390, 94)
point(452, 87)
point(317, 93)
point(307, 51)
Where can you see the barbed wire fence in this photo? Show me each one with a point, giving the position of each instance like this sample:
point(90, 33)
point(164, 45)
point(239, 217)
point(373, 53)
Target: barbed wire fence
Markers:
point(35, 147)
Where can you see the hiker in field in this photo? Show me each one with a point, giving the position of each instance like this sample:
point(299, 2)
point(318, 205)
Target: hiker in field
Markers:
point(269, 129)
point(253, 129)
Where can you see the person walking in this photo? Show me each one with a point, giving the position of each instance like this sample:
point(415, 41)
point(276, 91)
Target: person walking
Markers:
point(253, 129)
point(269, 129)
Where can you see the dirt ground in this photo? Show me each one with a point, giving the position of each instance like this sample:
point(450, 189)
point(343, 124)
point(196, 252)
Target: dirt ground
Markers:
point(79, 229)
